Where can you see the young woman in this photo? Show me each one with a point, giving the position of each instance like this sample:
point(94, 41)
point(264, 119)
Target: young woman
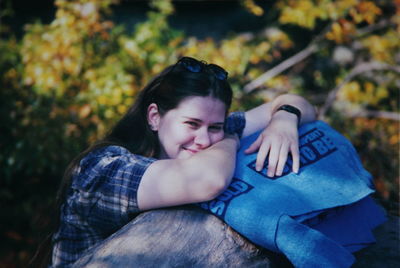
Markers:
point(156, 155)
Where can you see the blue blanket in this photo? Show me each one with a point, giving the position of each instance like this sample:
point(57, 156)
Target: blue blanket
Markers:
point(316, 217)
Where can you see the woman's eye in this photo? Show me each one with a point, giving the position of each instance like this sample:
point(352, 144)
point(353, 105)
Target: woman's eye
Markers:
point(192, 124)
point(215, 128)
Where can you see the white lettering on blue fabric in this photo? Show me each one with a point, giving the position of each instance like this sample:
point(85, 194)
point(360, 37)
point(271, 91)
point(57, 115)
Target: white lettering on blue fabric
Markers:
point(314, 145)
point(219, 205)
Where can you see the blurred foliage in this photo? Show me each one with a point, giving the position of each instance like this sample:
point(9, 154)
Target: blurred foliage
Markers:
point(64, 84)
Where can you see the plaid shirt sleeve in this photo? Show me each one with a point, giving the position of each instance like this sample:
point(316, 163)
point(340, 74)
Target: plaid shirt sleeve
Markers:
point(235, 123)
point(109, 181)
point(102, 198)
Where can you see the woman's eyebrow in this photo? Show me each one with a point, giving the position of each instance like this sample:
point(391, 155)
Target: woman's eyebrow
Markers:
point(201, 121)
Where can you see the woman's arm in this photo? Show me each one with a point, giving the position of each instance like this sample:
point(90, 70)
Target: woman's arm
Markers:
point(199, 178)
point(280, 135)
point(259, 117)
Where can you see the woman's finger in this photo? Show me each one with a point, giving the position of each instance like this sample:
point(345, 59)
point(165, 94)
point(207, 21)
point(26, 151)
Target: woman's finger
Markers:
point(255, 145)
point(273, 158)
point(294, 149)
point(262, 155)
point(283, 155)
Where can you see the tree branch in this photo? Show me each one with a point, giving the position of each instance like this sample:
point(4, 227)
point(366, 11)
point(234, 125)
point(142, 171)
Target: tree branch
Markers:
point(310, 49)
point(374, 27)
point(357, 70)
point(298, 57)
point(280, 68)
point(375, 114)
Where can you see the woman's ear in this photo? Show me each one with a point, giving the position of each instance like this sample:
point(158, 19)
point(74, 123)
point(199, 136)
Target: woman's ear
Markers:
point(153, 116)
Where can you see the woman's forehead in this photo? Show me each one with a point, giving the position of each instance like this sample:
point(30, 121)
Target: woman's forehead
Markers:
point(202, 108)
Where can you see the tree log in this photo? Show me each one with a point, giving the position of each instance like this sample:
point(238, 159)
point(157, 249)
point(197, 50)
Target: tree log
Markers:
point(190, 237)
point(178, 237)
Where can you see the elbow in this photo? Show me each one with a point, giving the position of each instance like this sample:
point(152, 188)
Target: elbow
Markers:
point(214, 185)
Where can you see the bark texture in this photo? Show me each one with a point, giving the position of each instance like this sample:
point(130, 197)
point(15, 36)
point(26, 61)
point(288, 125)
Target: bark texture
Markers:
point(189, 237)
point(179, 237)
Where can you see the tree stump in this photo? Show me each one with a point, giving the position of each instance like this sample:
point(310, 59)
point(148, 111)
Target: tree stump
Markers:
point(190, 237)
point(178, 237)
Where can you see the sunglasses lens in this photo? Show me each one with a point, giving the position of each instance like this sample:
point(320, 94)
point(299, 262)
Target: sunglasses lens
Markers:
point(191, 64)
point(196, 66)
point(219, 73)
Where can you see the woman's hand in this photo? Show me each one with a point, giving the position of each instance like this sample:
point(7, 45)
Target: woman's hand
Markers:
point(280, 136)
point(277, 140)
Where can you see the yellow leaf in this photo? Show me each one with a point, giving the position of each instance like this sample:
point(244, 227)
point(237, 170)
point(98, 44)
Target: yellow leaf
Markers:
point(102, 100)
point(121, 109)
point(109, 113)
point(84, 111)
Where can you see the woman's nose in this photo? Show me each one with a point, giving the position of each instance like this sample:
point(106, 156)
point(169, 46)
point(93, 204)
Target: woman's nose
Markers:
point(202, 138)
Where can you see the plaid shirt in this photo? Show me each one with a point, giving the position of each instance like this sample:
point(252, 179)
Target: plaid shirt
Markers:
point(103, 197)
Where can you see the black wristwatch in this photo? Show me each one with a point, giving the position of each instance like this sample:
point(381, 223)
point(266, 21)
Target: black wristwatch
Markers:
point(291, 109)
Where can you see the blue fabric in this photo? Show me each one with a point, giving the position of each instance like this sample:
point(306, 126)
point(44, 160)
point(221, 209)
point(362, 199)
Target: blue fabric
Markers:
point(305, 215)
point(351, 226)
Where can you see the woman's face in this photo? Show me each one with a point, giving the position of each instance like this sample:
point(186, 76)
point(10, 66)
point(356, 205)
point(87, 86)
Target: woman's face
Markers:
point(194, 125)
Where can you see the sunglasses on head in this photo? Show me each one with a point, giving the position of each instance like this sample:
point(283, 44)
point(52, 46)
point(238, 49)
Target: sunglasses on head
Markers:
point(196, 66)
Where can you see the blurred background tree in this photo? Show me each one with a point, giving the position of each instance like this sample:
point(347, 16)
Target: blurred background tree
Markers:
point(65, 82)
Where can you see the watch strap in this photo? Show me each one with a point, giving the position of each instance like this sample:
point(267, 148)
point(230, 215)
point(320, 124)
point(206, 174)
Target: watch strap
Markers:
point(291, 109)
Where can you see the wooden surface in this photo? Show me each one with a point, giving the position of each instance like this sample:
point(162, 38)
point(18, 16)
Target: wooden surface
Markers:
point(179, 237)
point(189, 237)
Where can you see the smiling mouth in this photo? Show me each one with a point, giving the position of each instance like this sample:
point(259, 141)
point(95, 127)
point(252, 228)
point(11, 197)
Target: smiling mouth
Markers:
point(190, 150)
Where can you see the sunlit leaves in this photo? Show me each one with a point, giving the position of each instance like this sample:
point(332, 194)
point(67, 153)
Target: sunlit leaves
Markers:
point(344, 14)
point(305, 13)
point(365, 93)
point(278, 38)
point(59, 50)
point(344, 29)
point(383, 47)
point(164, 7)
point(365, 11)
point(153, 45)
point(252, 7)
point(341, 31)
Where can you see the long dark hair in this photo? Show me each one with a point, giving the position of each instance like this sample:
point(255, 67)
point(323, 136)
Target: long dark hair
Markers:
point(133, 132)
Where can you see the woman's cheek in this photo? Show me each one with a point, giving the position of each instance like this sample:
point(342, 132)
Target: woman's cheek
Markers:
point(218, 137)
